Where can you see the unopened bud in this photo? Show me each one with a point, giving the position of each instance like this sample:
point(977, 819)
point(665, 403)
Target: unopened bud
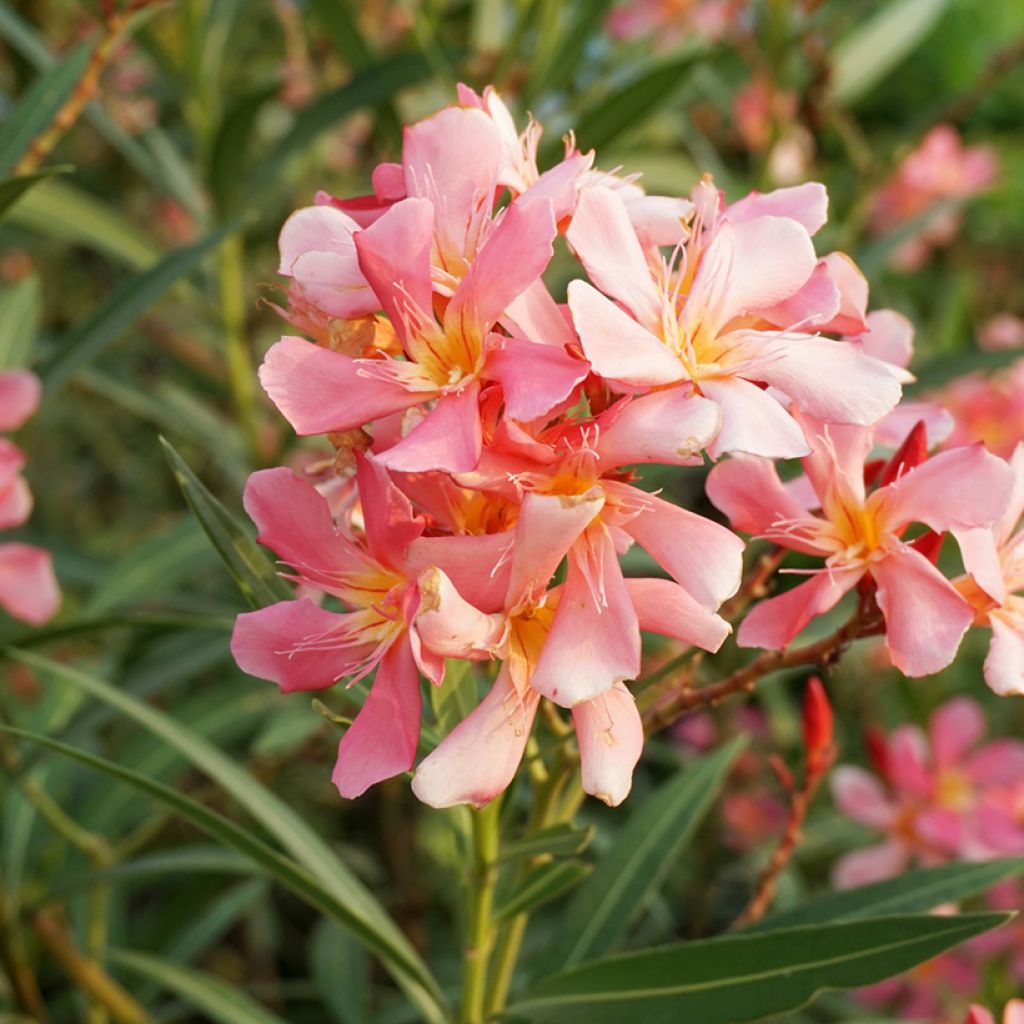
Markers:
point(817, 715)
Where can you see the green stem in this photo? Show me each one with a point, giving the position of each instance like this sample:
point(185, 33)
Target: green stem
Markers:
point(480, 927)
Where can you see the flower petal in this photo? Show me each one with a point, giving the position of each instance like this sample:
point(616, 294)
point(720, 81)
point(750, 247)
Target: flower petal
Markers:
point(753, 422)
point(875, 864)
point(28, 587)
point(1004, 664)
point(860, 796)
point(611, 738)
point(449, 625)
point(20, 392)
point(534, 378)
point(663, 606)
point(807, 204)
point(954, 728)
point(390, 523)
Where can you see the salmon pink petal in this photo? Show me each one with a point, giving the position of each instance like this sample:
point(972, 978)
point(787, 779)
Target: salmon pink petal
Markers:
point(618, 347)
point(512, 259)
point(753, 421)
point(941, 829)
point(957, 489)
point(925, 618)
point(318, 390)
point(611, 738)
point(659, 220)
point(1004, 664)
point(893, 429)
point(478, 759)
point(816, 304)
point(807, 204)
point(832, 380)
point(594, 639)
point(852, 286)
point(837, 456)
point(449, 438)
point(28, 587)
point(663, 606)
point(15, 503)
point(888, 336)
point(954, 728)
point(382, 740)
point(394, 255)
point(535, 315)
point(294, 521)
point(773, 623)
point(749, 492)
point(875, 864)
point(671, 427)
point(534, 378)
point(1007, 523)
point(449, 625)
point(860, 796)
point(1014, 1012)
point(548, 526)
point(478, 565)
point(297, 645)
point(453, 160)
point(749, 266)
point(908, 764)
point(388, 517)
point(1000, 763)
point(20, 392)
point(979, 1015)
point(707, 559)
point(605, 241)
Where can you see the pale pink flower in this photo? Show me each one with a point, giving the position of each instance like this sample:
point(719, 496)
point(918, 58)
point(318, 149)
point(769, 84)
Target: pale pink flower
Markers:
point(1013, 1013)
point(989, 409)
point(928, 799)
point(859, 535)
point(1003, 331)
point(669, 21)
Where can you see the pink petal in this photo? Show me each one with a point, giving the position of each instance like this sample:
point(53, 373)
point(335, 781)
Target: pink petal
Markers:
point(837, 457)
point(659, 220)
point(388, 517)
point(605, 241)
point(297, 645)
point(941, 829)
point(671, 427)
point(1014, 1012)
point(394, 255)
point(449, 625)
point(807, 204)
point(478, 759)
point(889, 337)
point(453, 159)
point(772, 624)
point(860, 796)
point(536, 316)
point(1007, 522)
point(954, 728)
point(831, 380)
point(20, 392)
point(512, 259)
point(753, 421)
point(853, 296)
point(816, 304)
point(748, 266)
point(749, 492)
point(548, 526)
point(925, 618)
point(894, 427)
point(1004, 664)
point(318, 390)
point(28, 587)
point(448, 438)
point(534, 378)
point(663, 606)
point(15, 503)
point(477, 565)
point(999, 763)
point(957, 489)
point(611, 738)
point(594, 639)
point(705, 558)
point(618, 347)
point(382, 740)
point(875, 864)
point(979, 1015)
point(908, 766)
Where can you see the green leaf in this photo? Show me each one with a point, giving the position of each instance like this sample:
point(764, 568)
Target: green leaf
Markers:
point(341, 973)
point(910, 893)
point(127, 303)
point(629, 106)
point(863, 58)
point(541, 885)
point(354, 905)
point(215, 920)
point(740, 978)
point(644, 850)
point(20, 315)
point(582, 25)
point(562, 840)
point(247, 562)
point(37, 107)
point(13, 189)
point(457, 698)
point(230, 152)
point(218, 1001)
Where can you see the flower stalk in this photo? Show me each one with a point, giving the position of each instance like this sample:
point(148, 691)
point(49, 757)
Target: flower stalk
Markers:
point(480, 925)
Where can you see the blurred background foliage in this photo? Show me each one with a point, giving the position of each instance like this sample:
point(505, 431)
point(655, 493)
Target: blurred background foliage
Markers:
point(137, 280)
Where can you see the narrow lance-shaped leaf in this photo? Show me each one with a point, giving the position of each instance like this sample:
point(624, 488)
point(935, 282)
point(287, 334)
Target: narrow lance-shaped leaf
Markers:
point(646, 847)
point(542, 885)
point(911, 893)
point(561, 840)
point(744, 977)
point(247, 562)
point(20, 314)
point(13, 189)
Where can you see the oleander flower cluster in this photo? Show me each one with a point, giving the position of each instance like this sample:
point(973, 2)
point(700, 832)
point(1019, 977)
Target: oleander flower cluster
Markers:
point(491, 438)
point(28, 587)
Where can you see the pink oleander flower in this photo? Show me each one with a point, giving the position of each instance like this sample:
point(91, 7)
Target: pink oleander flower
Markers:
point(994, 560)
point(987, 408)
point(1013, 1013)
point(859, 534)
point(939, 171)
point(28, 587)
point(928, 798)
point(301, 646)
point(669, 21)
point(723, 318)
point(1001, 332)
